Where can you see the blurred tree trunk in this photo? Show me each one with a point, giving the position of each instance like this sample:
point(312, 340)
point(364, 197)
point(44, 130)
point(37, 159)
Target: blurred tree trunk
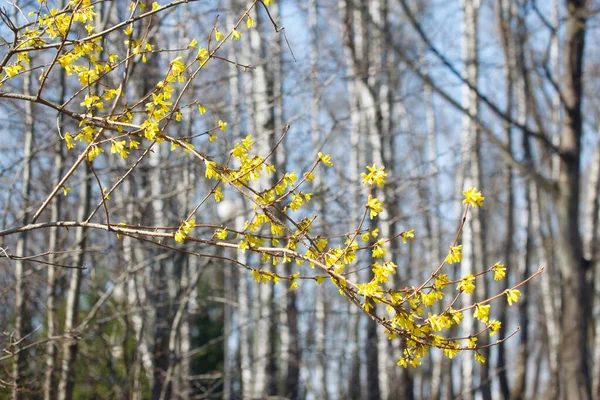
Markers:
point(183, 374)
point(472, 237)
point(434, 225)
point(70, 348)
point(505, 28)
point(353, 49)
point(591, 253)
point(575, 380)
point(548, 291)
point(263, 97)
point(319, 188)
point(231, 274)
point(247, 309)
point(523, 95)
point(55, 213)
point(21, 247)
point(160, 279)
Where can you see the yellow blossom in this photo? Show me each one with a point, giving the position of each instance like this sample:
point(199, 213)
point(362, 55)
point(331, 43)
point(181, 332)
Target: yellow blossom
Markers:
point(455, 255)
point(473, 197)
point(407, 235)
point(466, 284)
point(375, 176)
point(118, 146)
point(326, 158)
point(375, 206)
point(481, 312)
point(512, 296)
point(494, 326)
point(480, 359)
point(499, 271)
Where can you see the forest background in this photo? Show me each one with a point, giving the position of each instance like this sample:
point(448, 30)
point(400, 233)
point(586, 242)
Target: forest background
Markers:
point(132, 296)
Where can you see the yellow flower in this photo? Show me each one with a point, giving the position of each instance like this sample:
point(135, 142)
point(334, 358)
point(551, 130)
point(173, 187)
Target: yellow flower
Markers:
point(466, 284)
point(455, 255)
point(473, 197)
point(494, 326)
point(407, 235)
point(202, 54)
point(512, 296)
point(184, 230)
point(69, 140)
point(457, 316)
point(179, 236)
point(450, 353)
point(441, 280)
point(293, 283)
point(480, 359)
point(222, 125)
point(221, 234)
point(375, 175)
point(326, 158)
point(499, 271)
point(378, 250)
point(93, 152)
point(472, 342)
point(256, 275)
point(218, 35)
point(374, 205)
point(218, 195)
point(482, 312)
point(119, 147)
point(133, 144)
point(434, 322)
point(236, 34)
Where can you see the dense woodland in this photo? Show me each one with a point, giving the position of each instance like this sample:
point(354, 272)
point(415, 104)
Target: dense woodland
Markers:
point(163, 163)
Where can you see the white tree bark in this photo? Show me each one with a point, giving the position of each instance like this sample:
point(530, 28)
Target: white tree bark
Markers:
point(320, 377)
point(471, 236)
point(55, 212)
point(70, 345)
point(21, 246)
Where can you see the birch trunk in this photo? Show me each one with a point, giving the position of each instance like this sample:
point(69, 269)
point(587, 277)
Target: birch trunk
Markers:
point(21, 247)
point(505, 22)
point(245, 310)
point(519, 390)
point(472, 234)
point(55, 207)
point(229, 284)
point(319, 189)
point(160, 284)
point(264, 120)
point(70, 345)
point(433, 216)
